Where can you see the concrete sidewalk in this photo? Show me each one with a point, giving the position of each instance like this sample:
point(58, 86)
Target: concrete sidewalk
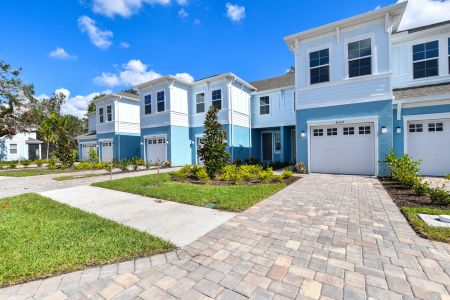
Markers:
point(179, 223)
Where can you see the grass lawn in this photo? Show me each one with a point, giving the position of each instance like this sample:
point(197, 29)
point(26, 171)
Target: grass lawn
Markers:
point(434, 233)
point(232, 198)
point(35, 172)
point(40, 237)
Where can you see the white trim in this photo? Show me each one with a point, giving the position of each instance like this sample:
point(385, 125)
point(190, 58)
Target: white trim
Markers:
point(153, 136)
point(221, 97)
point(165, 101)
point(423, 117)
point(112, 114)
point(262, 146)
point(345, 102)
point(343, 121)
point(195, 102)
point(373, 53)
point(259, 106)
point(411, 61)
point(105, 140)
point(275, 151)
point(197, 136)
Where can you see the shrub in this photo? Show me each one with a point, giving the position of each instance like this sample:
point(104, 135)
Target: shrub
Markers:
point(166, 164)
point(93, 155)
point(439, 196)
point(447, 176)
point(39, 162)
point(251, 161)
point(421, 188)
point(227, 172)
point(403, 169)
point(266, 175)
point(183, 173)
point(52, 162)
point(148, 165)
point(123, 164)
point(136, 162)
point(300, 168)
point(250, 173)
point(202, 174)
point(13, 164)
point(286, 174)
point(26, 163)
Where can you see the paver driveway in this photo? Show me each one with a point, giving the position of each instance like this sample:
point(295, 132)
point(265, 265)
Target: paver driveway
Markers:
point(324, 236)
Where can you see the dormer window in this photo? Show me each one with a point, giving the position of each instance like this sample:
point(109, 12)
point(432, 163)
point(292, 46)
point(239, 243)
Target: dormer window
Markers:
point(100, 115)
point(160, 101)
point(148, 104)
point(109, 113)
point(319, 66)
point(264, 105)
point(426, 60)
point(216, 97)
point(360, 58)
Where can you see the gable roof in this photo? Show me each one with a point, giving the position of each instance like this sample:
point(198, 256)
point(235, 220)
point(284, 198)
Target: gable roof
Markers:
point(286, 80)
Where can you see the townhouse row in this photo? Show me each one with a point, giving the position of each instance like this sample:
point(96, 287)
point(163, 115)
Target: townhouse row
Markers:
point(360, 88)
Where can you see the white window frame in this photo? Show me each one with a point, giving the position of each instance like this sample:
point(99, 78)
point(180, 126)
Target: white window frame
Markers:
point(149, 105)
point(204, 102)
point(319, 66)
point(101, 115)
point(347, 41)
point(314, 49)
point(157, 101)
point(276, 135)
point(109, 114)
point(16, 149)
point(270, 110)
point(412, 61)
point(221, 98)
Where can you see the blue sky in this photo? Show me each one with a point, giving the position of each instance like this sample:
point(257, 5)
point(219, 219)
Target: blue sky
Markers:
point(86, 46)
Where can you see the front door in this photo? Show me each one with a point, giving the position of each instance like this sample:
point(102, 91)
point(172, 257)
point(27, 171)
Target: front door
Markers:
point(267, 149)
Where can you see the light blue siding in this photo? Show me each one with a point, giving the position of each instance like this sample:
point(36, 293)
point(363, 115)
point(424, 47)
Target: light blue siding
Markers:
point(129, 145)
point(399, 138)
point(286, 143)
point(380, 109)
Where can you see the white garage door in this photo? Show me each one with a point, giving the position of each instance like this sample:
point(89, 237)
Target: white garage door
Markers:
point(429, 141)
point(343, 149)
point(85, 148)
point(156, 149)
point(107, 151)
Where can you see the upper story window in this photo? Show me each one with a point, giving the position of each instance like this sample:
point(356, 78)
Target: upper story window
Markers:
point(426, 60)
point(319, 66)
point(12, 148)
point(160, 101)
point(360, 58)
point(148, 104)
point(264, 105)
point(200, 102)
point(100, 114)
point(217, 99)
point(109, 113)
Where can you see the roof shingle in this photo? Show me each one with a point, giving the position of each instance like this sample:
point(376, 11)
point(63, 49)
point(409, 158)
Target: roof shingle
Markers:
point(422, 91)
point(285, 80)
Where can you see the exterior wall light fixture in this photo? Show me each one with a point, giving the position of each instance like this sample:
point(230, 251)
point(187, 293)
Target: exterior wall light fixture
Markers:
point(302, 134)
point(383, 129)
point(399, 129)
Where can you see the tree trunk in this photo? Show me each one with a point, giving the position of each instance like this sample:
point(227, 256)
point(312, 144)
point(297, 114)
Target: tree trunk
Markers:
point(48, 147)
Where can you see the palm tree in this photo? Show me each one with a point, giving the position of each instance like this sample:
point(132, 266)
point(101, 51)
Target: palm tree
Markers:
point(47, 130)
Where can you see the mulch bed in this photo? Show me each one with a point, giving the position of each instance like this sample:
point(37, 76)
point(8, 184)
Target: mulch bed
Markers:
point(225, 183)
point(406, 197)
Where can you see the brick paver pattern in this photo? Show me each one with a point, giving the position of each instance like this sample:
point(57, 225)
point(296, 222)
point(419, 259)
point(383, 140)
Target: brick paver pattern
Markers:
point(325, 236)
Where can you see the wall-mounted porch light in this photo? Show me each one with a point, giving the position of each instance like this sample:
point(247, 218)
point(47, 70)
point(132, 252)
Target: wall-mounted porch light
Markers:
point(399, 130)
point(383, 129)
point(167, 141)
point(302, 134)
point(142, 143)
point(192, 142)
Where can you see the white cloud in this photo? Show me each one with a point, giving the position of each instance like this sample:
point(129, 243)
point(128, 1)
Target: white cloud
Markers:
point(182, 2)
point(60, 53)
point(132, 73)
point(125, 8)
point(235, 12)
point(424, 12)
point(197, 22)
point(124, 45)
point(183, 13)
point(100, 38)
point(185, 77)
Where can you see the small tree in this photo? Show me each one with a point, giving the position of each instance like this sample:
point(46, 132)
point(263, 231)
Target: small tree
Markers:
point(213, 149)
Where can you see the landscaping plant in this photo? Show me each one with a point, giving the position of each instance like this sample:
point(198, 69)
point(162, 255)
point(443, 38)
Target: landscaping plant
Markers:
point(447, 176)
point(439, 196)
point(123, 164)
point(93, 155)
point(213, 149)
point(300, 168)
point(286, 174)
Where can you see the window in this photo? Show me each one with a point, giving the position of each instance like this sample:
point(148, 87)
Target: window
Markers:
point(160, 101)
point(100, 114)
point(349, 130)
point(200, 102)
point(415, 127)
point(434, 127)
point(318, 132)
point(264, 105)
point(277, 139)
point(109, 113)
point(360, 58)
point(148, 104)
point(331, 131)
point(12, 148)
point(425, 60)
point(217, 99)
point(319, 66)
point(364, 129)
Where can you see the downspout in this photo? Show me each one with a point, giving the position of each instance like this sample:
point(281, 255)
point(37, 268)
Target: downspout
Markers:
point(231, 118)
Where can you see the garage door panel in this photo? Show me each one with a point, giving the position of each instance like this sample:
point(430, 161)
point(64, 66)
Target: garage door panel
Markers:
point(429, 141)
point(156, 149)
point(343, 149)
point(85, 149)
point(107, 151)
